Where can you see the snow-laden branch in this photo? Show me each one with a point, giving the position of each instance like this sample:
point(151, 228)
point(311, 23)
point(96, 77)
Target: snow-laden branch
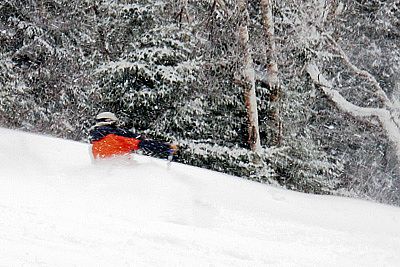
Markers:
point(392, 108)
point(383, 115)
point(363, 73)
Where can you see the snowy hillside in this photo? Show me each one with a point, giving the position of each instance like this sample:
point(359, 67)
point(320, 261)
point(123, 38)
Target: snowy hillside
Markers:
point(57, 208)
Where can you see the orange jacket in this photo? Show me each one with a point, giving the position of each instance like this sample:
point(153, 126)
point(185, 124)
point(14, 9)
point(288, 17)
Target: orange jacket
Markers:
point(113, 144)
point(108, 141)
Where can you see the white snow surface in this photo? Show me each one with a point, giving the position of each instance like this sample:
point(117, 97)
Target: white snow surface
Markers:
point(58, 208)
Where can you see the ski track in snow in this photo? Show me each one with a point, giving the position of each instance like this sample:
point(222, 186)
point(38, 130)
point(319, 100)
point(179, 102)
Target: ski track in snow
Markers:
point(58, 208)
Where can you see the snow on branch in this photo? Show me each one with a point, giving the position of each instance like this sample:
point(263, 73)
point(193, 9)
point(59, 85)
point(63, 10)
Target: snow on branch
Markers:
point(337, 98)
point(383, 115)
point(363, 73)
point(392, 108)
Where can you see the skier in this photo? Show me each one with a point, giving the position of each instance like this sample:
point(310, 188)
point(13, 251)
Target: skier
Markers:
point(109, 140)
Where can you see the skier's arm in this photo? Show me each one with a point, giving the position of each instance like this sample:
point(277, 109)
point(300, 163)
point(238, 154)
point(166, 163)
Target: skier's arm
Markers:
point(157, 148)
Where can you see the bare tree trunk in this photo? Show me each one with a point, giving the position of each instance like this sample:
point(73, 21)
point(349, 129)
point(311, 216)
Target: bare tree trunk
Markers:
point(272, 69)
point(248, 79)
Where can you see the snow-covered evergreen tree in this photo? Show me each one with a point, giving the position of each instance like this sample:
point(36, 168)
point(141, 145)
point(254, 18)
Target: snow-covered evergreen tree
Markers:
point(150, 72)
point(45, 50)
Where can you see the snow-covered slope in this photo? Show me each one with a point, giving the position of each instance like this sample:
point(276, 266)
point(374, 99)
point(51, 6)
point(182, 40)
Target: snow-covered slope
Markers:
point(57, 208)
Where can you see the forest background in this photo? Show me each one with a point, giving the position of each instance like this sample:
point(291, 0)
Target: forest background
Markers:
point(300, 93)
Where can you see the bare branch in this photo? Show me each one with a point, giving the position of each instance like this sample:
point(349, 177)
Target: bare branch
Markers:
point(183, 14)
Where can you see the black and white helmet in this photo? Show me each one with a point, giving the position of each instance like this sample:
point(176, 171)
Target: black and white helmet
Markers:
point(106, 118)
